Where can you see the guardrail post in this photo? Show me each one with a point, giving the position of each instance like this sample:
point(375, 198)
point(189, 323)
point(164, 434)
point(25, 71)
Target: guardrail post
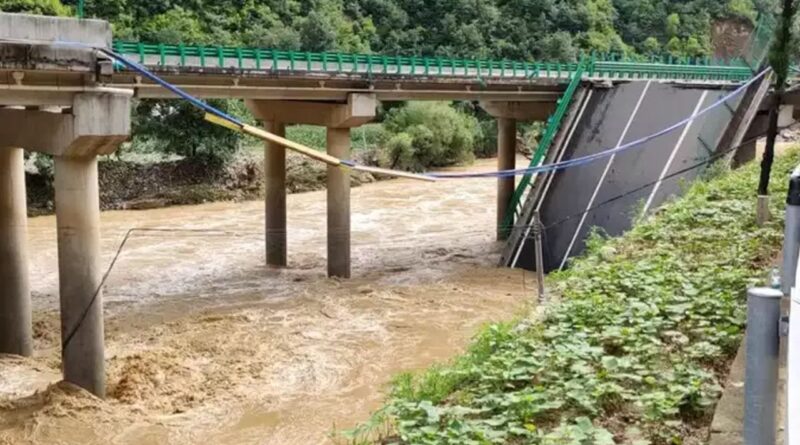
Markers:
point(761, 372)
point(793, 372)
point(791, 234)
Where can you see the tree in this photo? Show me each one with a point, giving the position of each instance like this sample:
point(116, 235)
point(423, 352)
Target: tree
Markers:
point(673, 24)
point(174, 26)
point(182, 130)
point(42, 7)
point(779, 59)
point(651, 45)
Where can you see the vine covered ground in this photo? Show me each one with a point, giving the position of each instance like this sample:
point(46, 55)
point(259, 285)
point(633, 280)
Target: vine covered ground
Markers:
point(636, 348)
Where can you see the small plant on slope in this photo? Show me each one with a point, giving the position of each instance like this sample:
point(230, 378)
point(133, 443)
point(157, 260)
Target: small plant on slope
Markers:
point(635, 351)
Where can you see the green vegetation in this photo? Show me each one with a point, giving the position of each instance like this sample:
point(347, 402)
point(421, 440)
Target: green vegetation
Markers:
point(429, 134)
point(364, 138)
point(412, 137)
point(530, 29)
point(636, 348)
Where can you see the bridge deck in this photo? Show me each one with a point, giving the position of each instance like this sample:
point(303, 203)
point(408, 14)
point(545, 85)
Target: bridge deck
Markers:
point(272, 74)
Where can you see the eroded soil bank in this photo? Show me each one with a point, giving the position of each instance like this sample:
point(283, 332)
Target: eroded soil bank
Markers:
point(206, 345)
point(137, 185)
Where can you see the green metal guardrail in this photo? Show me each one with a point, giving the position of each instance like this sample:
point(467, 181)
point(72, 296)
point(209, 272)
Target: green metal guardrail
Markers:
point(553, 125)
point(605, 66)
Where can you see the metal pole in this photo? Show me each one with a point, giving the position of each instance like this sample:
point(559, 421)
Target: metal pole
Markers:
point(793, 373)
point(537, 232)
point(761, 372)
point(80, 9)
point(791, 237)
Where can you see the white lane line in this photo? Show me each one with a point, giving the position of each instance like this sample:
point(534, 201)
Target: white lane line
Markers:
point(603, 177)
point(672, 155)
point(549, 178)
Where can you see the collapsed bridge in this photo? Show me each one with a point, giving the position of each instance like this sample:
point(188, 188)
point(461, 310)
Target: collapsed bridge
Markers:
point(60, 94)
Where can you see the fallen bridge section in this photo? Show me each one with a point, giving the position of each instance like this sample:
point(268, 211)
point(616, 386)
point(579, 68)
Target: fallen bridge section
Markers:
point(609, 193)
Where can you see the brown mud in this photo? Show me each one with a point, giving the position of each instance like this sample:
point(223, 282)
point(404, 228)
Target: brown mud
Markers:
point(203, 344)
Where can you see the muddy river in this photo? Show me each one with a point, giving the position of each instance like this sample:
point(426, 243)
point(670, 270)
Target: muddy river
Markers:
point(204, 344)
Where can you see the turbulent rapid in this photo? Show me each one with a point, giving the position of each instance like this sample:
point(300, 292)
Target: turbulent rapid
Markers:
point(203, 343)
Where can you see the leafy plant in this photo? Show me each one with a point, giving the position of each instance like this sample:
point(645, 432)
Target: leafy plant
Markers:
point(429, 134)
point(635, 350)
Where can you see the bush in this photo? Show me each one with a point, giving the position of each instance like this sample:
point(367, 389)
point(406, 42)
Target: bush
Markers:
point(429, 134)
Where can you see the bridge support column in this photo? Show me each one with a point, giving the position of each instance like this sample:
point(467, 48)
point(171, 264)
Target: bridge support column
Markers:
point(96, 123)
point(338, 118)
point(507, 115)
point(338, 141)
point(275, 197)
point(78, 222)
point(506, 160)
point(15, 303)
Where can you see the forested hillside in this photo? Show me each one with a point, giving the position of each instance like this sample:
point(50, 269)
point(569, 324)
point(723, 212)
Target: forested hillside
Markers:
point(514, 29)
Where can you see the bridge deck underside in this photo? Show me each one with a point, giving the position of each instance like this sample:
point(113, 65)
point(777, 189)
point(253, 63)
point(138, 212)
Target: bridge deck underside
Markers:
point(330, 86)
point(610, 192)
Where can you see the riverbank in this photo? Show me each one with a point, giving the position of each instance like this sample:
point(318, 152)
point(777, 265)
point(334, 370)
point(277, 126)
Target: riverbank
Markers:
point(131, 184)
point(636, 350)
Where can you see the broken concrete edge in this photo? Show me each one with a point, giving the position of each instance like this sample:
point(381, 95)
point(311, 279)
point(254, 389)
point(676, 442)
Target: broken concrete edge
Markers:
point(40, 29)
point(96, 125)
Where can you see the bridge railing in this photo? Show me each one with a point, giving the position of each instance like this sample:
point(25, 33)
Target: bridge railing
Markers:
point(601, 66)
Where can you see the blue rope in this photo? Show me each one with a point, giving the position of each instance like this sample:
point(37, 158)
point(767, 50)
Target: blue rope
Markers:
point(175, 90)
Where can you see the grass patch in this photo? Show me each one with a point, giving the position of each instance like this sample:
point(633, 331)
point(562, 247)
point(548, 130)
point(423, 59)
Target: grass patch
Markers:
point(634, 352)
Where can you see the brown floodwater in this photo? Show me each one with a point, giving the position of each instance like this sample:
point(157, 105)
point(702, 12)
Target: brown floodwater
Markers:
point(206, 344)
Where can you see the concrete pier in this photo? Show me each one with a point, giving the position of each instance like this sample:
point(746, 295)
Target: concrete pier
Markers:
point(15, 302)
point(338, 145)
point(507, 115)
point(275, 197)
point(506, 157)
point(338, 118)
point(78, 222)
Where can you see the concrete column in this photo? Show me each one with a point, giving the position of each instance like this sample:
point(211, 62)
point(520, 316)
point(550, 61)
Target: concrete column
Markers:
point(338, 205)
point(275, 196)
point(78, 222)
point(15, 301)
point(506, 160)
